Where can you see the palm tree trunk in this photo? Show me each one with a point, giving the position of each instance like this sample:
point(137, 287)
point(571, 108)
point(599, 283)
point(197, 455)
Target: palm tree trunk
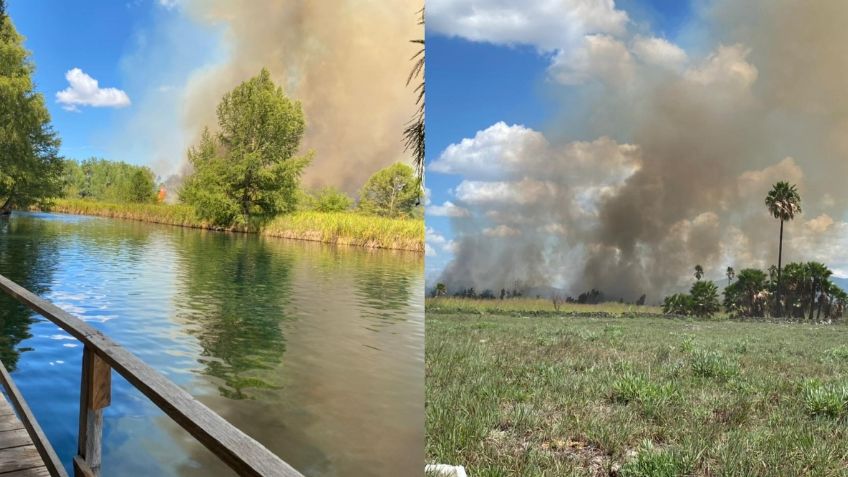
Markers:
point(779, 260)
point(812, 298)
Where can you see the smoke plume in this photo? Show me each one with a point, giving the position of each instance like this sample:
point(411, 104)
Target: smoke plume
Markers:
point(664, 157)
point(346, 61)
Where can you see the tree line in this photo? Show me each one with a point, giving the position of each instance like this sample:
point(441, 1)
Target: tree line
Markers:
point(800, 290)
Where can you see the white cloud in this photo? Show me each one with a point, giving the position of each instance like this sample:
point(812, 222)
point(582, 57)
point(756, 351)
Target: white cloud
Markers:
point(727, 66)
point(169, 4)
point(526, 191)
point(658, 51)
point(434, 241)
point(85, 91)
point(599, 57)
point(448, 209)
point(546, 24)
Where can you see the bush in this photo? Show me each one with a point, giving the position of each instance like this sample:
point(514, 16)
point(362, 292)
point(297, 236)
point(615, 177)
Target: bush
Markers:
point(704, 299)
point(677, 304)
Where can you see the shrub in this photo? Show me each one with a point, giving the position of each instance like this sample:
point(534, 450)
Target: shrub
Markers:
point(677, 304)
point(704, 299)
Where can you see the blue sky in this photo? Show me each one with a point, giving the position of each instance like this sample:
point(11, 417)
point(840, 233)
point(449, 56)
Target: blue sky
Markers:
point(474, 84)
point(146, 49)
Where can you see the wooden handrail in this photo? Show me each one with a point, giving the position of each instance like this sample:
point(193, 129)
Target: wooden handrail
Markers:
point(235, 448)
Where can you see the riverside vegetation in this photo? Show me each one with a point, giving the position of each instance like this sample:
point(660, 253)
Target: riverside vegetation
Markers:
point(244, 177)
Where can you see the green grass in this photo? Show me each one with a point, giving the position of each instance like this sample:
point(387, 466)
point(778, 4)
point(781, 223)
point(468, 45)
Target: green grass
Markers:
point(346, 228)
point(531, 395)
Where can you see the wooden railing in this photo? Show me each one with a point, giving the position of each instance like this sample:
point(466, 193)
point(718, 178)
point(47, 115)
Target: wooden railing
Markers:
point(100, 356)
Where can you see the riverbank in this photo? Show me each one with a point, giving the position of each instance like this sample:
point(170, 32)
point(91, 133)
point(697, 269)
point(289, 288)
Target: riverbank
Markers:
point(342, 228)
point(636, 397)
point(526, 306)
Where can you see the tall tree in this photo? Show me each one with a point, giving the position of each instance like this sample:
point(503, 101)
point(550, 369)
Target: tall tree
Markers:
point(390, 192)
point(699, 272)
point(249, 167)
point(730, 274)
point(30, 169)
point(783, 202)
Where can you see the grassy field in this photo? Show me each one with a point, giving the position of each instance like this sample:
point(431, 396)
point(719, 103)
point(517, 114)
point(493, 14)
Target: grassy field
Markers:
point(534, 306)
point(523, 395)
point(346, 228)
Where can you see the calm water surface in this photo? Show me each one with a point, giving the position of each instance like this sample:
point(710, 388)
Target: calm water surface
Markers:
point(316, 351)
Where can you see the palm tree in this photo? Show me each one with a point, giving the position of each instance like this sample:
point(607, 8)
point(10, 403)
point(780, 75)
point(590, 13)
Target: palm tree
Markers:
point(730, 274)
point(699, 272)
point(819, 283)
point(783, 203)
point(413, 135)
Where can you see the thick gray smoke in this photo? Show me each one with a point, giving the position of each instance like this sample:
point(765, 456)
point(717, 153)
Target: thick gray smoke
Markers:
point(664, 159)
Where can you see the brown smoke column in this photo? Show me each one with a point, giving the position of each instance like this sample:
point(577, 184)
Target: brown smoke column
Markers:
point(346, 61)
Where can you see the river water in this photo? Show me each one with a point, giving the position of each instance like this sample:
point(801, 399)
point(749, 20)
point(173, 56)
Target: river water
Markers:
point(314, 350)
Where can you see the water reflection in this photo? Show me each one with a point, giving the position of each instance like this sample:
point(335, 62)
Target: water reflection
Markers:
point(315, 351)
point(233, 295)
point(29, 263)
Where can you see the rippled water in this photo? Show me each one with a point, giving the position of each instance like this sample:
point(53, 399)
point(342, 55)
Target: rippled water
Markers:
point(316, 351)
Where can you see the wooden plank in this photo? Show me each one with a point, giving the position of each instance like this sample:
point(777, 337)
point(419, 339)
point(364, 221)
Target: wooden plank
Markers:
point(45, 450)
point(19, 458)
point(100, 383)
point(81, 469)
point(10, 423)
point(238, 450)
point(34, 472)
point(16, 438)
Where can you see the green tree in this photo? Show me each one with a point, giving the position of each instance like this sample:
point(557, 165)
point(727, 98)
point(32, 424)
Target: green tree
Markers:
point(390, 192)
point(30, 169)
point(783, 202)
point(747, 295)
point(249, 167)
point(704, 296)
point(442, 290)
point(819, 283)
point(330, 199)
point(699, 272)
point(108, 181)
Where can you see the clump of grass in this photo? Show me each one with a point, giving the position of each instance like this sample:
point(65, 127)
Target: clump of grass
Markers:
point(712, 364)
point(688, 344)
point(651, 461)
point(830, 400)
point(838, 354)
point(653, 397)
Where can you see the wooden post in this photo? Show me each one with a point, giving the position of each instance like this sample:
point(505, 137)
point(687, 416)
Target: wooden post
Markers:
point(95, 394)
